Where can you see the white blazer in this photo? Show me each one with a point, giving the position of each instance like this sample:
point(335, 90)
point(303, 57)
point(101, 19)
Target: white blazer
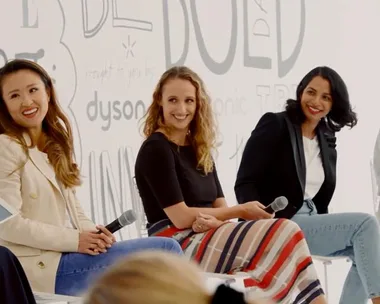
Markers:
point(38, 234)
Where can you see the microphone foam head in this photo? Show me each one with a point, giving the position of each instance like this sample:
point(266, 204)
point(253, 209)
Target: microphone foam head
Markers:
point(279, 203)
point(127, 218)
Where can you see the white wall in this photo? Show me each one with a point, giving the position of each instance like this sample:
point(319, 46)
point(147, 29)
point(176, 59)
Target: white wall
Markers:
point(251, 55)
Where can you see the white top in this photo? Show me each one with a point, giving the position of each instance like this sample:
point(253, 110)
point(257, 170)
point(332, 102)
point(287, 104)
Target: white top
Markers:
point(315, 175)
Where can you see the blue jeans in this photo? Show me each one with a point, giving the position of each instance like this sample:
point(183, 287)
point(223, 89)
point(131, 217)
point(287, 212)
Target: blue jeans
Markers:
point(356, 235)
point(76, 271)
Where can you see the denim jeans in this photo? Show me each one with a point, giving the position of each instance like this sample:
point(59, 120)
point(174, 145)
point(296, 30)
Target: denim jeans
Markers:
point(356, 235)
point(76, 271)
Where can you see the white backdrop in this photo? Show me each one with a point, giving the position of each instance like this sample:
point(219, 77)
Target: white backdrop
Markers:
point(106, 56)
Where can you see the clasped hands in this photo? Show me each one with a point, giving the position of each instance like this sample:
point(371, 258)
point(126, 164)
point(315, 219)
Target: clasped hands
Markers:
point(248, 211)
point(92, 243)
point(205, 222)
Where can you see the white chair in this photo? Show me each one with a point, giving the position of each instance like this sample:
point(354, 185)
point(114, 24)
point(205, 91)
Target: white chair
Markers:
point(375, 196)
point(46, 298)
point(326, 261)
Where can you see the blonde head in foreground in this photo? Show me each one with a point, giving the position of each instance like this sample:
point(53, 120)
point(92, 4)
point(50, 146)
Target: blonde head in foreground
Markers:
point(152, 278)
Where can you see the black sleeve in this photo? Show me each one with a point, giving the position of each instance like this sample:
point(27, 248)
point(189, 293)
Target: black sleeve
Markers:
point(256, 158)
point(219, 190)
point(15, 288)
point(157, 167)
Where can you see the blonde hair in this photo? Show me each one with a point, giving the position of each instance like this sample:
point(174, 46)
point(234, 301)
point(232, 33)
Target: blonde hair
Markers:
point(153, 277)
point(202, 128)
point(59, 139)
point(150, 277)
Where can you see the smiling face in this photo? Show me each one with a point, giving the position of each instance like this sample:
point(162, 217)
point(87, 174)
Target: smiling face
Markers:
point(179, 105)
point(316, 100)
point(26, 99)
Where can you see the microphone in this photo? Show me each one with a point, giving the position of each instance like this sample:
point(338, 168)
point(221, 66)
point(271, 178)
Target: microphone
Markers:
point(277, 205)
point(127, 218)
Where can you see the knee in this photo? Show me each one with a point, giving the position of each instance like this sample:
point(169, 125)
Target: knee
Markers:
point(369, 221)
point(170, 245)
point(292, 224)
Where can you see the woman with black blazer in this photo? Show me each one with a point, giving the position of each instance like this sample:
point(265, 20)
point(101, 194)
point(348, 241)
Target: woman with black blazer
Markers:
point(293, 154)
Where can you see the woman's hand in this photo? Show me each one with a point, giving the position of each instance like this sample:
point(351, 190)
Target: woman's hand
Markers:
point(106, 232)
point(205, 222)
point(92, 243)
point(255, 211)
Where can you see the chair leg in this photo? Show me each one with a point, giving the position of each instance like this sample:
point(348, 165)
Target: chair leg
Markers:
point(325, 264)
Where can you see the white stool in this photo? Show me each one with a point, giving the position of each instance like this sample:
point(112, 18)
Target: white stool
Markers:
point(46, 298)
point(326, 261)
point(375, 195)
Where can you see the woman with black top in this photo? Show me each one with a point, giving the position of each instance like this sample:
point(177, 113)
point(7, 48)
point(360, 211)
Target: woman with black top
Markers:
point(183, 199)
point(293, 154)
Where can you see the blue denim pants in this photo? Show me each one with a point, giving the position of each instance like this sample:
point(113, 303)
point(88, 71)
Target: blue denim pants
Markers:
point(76, 271)
point(356, 235)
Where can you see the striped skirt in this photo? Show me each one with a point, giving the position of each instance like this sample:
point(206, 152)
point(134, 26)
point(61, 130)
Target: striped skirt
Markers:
point(274, 254)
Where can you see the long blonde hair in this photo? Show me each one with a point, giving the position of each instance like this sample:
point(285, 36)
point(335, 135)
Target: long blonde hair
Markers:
point(202, 128)
point(59, 139)
point(152, 277)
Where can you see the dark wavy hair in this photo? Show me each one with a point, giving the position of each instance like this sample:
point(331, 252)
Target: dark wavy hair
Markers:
point(341, 113)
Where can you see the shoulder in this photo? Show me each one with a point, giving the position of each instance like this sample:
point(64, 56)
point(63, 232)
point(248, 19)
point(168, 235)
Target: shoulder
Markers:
point(156, 142)
point(12, 154)
point(6, 139)
point(10, 144)
point(273, 121)
point(155, 147)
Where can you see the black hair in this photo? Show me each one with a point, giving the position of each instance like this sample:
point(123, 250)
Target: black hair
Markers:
point(341, 113)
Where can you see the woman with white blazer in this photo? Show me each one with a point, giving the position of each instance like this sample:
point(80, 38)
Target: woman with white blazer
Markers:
point(38, 177)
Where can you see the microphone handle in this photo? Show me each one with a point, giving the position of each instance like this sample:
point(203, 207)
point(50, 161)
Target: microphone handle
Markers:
point(113, 227)
point(269, 209)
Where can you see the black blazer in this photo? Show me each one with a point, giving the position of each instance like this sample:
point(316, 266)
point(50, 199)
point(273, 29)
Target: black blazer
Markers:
point(273, 164)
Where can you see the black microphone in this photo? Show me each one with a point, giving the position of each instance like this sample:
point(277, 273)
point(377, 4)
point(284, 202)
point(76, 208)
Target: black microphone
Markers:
point(127, 218)
point(277, 205)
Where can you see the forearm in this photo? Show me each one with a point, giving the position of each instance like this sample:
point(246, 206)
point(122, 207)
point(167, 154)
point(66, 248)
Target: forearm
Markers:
point(183, 216)
point(40, 235)
point(222, 213)
point(85, 223)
